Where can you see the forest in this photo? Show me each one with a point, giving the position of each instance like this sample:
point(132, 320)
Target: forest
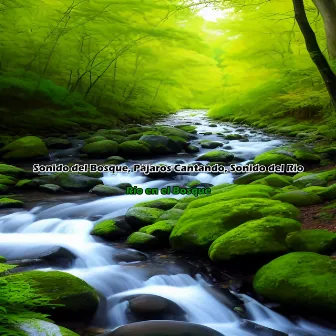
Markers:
point(167, 167)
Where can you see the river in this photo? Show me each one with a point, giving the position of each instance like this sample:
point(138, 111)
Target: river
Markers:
point(26, 234)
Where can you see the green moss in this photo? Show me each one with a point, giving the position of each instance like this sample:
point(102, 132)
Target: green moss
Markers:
point(193, 183)
point(329, 193)
point(234, 192)
point(28, 147)
point(26, 184)
point(210, 144)
point(103, 190)
point(95, 139)
point(107, 229)
point(319, 241)
point(275, 180)
point(138, 217)
point(253, 239)
point(75, 295)
point(172, 214)
point(306, 157)
point(2, 259)
point(160, 230)
point(7, 180)
point(298, 198)
point(67, 332)
point(134, 148)
point(142, 241)
point(248, 178)
point(3, 189)
point(5, 268)
point(314, 189)
point(115, 160)
point(309, 180)
point(269, 158)
point(161, 203)
point(173, 131)
point(75, 182)
point(216, 156)
point(101, 149)
point(200, 227)
point(234, 137)
point(10, 203)
point(301, 279)
point(187, 128)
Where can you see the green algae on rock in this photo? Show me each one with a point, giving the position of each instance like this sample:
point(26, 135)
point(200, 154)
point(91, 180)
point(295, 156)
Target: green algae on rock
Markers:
point(199, 227)
point(305, 280)
point(265, 237)
point(26, 148)
point(319, 241)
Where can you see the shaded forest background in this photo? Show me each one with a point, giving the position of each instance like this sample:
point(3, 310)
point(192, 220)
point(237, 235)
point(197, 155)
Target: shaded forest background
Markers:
point(68, 65)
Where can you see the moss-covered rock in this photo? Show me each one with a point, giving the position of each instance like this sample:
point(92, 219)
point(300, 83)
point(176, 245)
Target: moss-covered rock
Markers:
point(115, 160)
point(232, 192)
point(26, 184)
point(101, 149)
point(301, 279)
point(26, 148)
point(103, 190)
point(210, 144)
point(269, 158)
point(329, 193)
point(265, 237)
point(306, 157)
point(138, 217)
point(314, 189)
point(134, 149)
point(7, 180)
point(142, 241)
point(75, 182)
point(217, 156)
point(275, 180)
point(319, 241)
point(309, 181)
point(173, 131)
point(11, 170)
point(95, 138)
point(187, 128)
point(298, 198)
point(57, 143)
point(161, 203)
point(199, 227)
point(161, 230)
point(40, 327)
point(2, 259)
point(160, 144)
point(10, 203)
point(193, 183)
point(78, 299)
point(108, 229)
point(234, 136)
point(248, 178)
point(51, 188)
point(192, 149)
point(172, 214)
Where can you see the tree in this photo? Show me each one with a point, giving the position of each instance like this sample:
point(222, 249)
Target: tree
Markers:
point(314, 50)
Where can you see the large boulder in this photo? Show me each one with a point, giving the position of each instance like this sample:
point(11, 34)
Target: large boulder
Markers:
point(75, 182)
point(261, 238)
point(134, 148)
point(173, 131)
point(77, 299)
point(298, 198)
point(300, 279)
point(161, 144)
point(26, 148)
point(138, 217)
point(217, 156)
point(163, 328)
point(108, 229)
point(319, 241)
point(199, 227)
point(101, 149)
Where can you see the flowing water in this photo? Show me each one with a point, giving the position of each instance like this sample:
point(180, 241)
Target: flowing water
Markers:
point(27, 234)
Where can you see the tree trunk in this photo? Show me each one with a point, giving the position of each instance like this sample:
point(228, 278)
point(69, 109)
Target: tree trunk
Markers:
point(327, 8)
point(314, 50)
